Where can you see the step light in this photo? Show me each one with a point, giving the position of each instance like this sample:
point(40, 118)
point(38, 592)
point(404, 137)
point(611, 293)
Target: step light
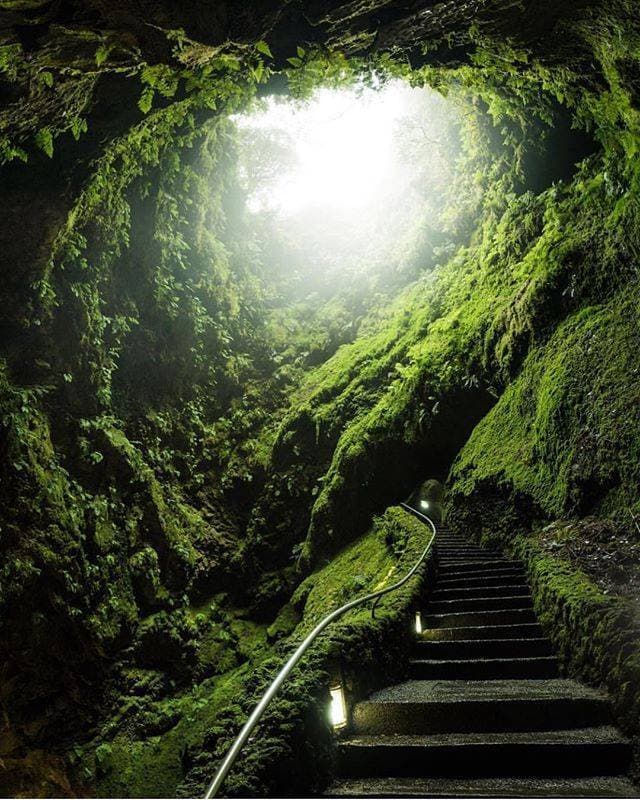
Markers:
point(418, 622)
point(338, 708)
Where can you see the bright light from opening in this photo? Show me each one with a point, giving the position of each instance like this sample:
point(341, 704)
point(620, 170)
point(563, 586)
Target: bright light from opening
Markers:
point(343, 144)
point(352, 182)
point(424, 504)
point(418, 622)
point(338, 709)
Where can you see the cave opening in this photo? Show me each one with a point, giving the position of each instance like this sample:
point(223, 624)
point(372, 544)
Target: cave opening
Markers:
point(266, 266)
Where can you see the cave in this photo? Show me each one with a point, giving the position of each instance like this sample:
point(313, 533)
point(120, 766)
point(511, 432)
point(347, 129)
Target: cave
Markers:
point(277, 275)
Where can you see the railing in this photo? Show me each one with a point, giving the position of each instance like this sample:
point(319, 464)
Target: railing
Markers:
point(281, 677)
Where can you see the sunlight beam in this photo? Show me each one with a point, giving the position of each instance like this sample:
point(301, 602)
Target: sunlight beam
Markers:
point(342, 142)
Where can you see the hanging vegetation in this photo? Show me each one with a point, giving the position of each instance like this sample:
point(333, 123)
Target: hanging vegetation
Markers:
point(204, 416)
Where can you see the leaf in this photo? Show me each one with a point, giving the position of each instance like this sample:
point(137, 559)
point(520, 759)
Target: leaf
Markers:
point(263, 47)
point(295, 62)
point(258, 71)
point(102, 54)
point(146, 100)
point(225, 62)
point(210, 102)
point(162, 78)
point(46, 78)
point(12, 152)
point(44, 140)
point(301, 51)
point(78, 126)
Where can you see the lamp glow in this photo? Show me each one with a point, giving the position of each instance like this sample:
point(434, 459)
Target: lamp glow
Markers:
point(418, 622)
point(424, 504)
point(338, 708)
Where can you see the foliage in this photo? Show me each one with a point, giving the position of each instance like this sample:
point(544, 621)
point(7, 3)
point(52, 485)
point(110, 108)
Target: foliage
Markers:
point(178, 732)
point(595, 634)
point(189, 443)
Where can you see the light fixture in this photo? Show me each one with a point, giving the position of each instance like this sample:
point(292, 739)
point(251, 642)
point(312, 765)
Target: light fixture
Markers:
point(338, 708)
point(424, 504)
point(418, 622)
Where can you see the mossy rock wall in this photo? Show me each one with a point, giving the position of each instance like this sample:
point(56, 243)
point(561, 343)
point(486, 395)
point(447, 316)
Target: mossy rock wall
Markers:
point(595, 633)
point(178, 735)
point(172, 469)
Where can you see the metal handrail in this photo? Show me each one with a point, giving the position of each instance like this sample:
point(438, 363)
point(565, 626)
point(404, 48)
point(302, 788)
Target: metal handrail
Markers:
point(280, 678)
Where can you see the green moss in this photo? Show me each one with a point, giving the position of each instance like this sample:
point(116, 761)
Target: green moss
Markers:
point(185, 732)
point(158, 764)
point(565, 432)
point(173, 452)
point(594, 633)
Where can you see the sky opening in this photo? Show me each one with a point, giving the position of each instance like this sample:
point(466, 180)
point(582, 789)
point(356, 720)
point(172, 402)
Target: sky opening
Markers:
point(351, 170)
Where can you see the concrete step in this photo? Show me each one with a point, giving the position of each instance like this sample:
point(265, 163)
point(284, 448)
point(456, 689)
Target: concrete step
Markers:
point(480, 669)
point(483, 648)
point(526, 629)
point(486, 603)
point(495, 577)
point(476, 565)
point(461, 592)
point(509, 616)
point(463, 706)
point(466, 555)
point(487, 571)
point(574, 752)
point(452, 540)
point(463, 554)
point(464, 547)
point(440, 541)
point(526, 786)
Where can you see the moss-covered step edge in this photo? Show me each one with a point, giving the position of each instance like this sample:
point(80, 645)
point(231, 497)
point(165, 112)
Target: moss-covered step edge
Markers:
point(293, 749)
point(595, 634)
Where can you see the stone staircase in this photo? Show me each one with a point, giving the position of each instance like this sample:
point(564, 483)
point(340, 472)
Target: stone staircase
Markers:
point(485, 713)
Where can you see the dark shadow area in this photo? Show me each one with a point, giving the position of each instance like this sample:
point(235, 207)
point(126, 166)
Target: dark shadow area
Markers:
point(394, 468)
point(560, 149)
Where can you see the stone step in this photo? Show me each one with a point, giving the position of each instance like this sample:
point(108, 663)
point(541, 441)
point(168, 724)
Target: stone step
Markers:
point(526, 629)
point(462, 706)
point(509, 616)
point(483, 648)
point(480, 669)
point(485, 714)
point(487, 571)
point(574, 752)
point(457, 546)
point(460, 553)
point(461, 592)
point(476, 565)
point(526, 786)
point(487, 603)
point(466, 546)
point(453, 541)
point(496, 577)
